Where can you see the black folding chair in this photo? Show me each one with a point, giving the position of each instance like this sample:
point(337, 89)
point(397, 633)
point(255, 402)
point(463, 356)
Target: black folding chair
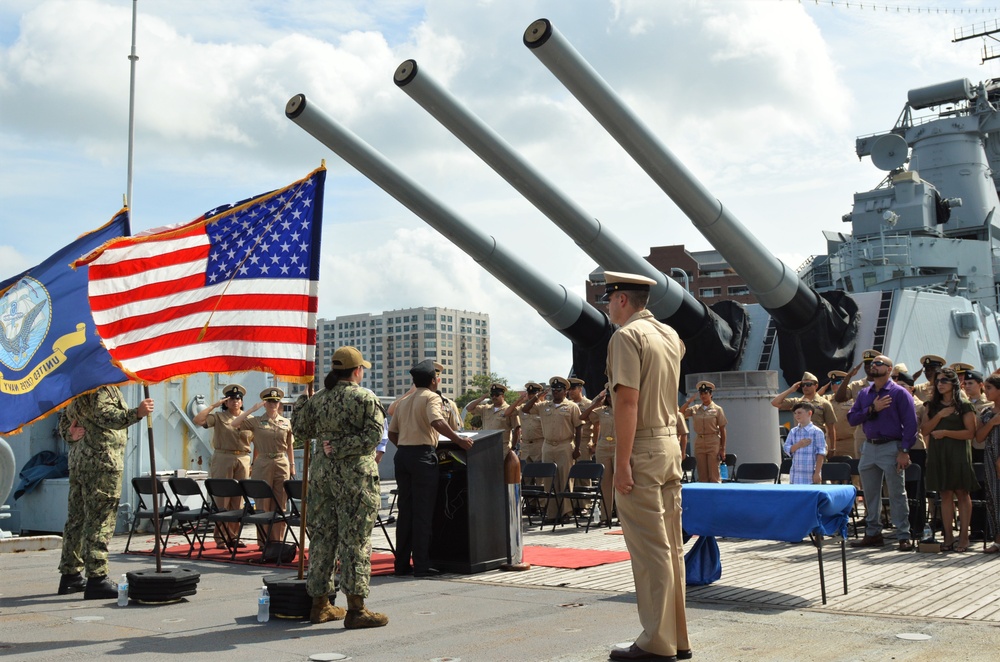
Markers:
point(581, 494)
point(192, 519)
point(979, 522)
point(143, 487)
point(688, 466)
point(537, 484)
point(265, 520)
point(750, 472)
point(839, 473)
point(785, 469)
point(731, 466)
point(221, 488)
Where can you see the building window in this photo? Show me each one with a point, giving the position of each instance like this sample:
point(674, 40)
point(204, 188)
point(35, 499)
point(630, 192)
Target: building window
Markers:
point(708, 292)
point(738, 290)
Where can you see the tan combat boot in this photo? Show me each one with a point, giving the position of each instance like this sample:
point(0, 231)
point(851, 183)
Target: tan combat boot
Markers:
point(322, 611)
point(359, 617)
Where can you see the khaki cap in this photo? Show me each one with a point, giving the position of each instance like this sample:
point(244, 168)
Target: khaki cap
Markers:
point(927, 359)
point(273, 394)
point(833, 374)
point(495, 386)
point(900, 367)
point(439, 367)
point(576, 381)
point(962, 367)
point(534, 385)
point(348, 357)
point(560, 381)
point(230, 390)
point(705, 386)
point(869, 355)
point(808, 377)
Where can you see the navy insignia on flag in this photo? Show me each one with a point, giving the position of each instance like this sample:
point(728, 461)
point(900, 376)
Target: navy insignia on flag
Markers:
point(25, 315)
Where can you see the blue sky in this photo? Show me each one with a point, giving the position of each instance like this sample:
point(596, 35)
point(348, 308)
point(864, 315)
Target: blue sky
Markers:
point(762, 100)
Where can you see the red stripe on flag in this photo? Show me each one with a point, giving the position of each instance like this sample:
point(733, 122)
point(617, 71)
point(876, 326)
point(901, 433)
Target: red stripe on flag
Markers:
point(251, 303)
point(145, 292)
point(224, 364)
point(240, 334)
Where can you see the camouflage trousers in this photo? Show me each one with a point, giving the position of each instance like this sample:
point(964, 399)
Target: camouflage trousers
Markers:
point(342, 504)
point(94, 490)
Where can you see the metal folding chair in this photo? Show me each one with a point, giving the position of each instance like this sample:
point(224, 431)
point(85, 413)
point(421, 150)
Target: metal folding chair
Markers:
point(192, 519)
point(265, 521)
point(578, 494)
point(223, 488)
point(537, 484)
point(143, 487)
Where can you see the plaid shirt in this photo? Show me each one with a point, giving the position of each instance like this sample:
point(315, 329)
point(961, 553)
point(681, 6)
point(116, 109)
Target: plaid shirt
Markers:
point(804, 459)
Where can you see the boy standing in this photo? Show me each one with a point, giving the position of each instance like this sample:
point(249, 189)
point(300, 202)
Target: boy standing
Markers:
point(807, 446)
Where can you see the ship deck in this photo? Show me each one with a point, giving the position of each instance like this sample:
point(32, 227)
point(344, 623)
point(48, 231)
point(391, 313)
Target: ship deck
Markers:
point(766, 606)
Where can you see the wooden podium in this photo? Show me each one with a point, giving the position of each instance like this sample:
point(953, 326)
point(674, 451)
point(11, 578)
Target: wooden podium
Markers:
point(470, 517)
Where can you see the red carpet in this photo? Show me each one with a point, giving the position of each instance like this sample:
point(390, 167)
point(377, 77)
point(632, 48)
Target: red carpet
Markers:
point(557, 557)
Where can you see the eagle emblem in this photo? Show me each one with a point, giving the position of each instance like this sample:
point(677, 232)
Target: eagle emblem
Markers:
point(25, 316)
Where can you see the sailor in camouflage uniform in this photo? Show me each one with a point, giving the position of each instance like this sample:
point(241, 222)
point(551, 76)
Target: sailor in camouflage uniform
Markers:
point(94, 425)
point(343, 493)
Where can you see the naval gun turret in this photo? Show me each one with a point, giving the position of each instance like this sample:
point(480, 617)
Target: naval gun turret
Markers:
point(587, 328)
point(714, 341)
point(816, 332)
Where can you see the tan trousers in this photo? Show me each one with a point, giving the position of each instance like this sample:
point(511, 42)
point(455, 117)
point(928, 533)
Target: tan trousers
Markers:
point(561, 453)
point(651, 521)
point(237, 467)
point(531, 450)
point(605, 454)
point(706, 454)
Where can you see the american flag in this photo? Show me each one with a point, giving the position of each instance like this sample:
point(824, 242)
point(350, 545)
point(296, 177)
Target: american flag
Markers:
point(232, 291)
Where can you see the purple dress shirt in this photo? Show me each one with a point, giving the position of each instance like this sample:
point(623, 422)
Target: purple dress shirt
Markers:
point(897, 421)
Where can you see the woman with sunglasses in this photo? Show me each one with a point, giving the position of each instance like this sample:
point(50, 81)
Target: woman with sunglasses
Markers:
point(989, 434)
point(230, 454)
point(948, 426)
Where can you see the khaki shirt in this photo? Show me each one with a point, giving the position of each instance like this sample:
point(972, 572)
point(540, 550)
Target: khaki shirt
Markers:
point(645, 355)
point(268, 437)
point(603, 418)
point(559, 421)
point(707, 422)
point(413, 418)
point(587, 433)
point(823, 415)
point(531, 424)
point(493, 419)
point(924, 392)
point(844, 428)
point(452, 416)
point(224, 438)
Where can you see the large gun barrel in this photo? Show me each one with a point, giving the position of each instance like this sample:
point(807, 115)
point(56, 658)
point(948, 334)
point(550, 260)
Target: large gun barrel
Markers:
point(586, 327)
point(713, 343)
point(816, 333)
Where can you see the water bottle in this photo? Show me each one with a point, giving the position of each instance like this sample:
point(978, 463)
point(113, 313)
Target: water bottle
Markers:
point(263, 605)
point(723, 471)
point(123, 591)
point(928, 532)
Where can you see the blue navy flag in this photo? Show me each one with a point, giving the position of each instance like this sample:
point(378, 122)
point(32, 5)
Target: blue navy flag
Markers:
point(49, 348)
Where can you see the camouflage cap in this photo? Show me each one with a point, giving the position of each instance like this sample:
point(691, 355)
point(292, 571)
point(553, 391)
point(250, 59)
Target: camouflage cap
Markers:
point(273, 394)
point(348, 357)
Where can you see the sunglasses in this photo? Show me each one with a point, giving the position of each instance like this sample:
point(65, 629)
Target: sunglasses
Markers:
point(946, 380)
point(809, 383)
point(235, 397)
point(879, 363)
point(558, 387)
point(838, 381)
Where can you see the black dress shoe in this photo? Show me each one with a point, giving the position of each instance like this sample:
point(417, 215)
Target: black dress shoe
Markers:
point(71, 583)
point(99, 588)
point(402, 572)
point(684, 654)
point(633, 652)
point(428, 572)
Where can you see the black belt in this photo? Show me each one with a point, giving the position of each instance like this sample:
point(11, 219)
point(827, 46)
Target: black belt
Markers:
point(881, 441)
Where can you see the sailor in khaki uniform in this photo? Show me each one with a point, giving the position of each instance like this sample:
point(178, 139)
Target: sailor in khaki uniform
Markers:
point(824, 417)
point(848, 391)
point(931, 363)
point(494, 413)
point(561, 424)
point(643, 370)
point(230, 452)
point(709, 424)
point(274, 461)
point(602, 417)
point(844, 442)
point(587, 440)
point(531, 424)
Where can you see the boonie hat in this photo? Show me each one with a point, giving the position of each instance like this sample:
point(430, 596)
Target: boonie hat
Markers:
point(348, 357)
point(233, 391)
point(272, 394)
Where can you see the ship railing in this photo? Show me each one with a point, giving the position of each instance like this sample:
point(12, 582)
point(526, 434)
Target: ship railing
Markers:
point(885, 250)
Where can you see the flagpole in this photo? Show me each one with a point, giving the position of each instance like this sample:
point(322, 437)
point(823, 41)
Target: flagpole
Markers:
point(131, 110)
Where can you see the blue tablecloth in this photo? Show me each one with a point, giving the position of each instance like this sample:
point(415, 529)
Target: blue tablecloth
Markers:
point(766, 511)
